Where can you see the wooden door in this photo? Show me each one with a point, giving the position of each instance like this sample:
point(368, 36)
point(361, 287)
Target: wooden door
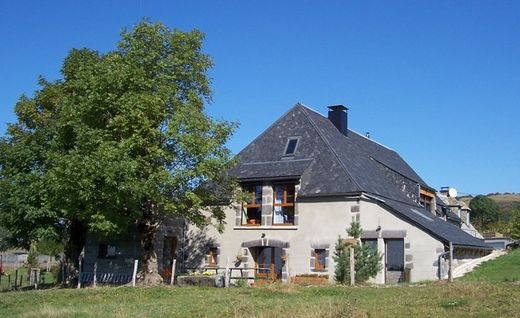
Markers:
point(394, 260)
point(169, 253)
point(269, 263)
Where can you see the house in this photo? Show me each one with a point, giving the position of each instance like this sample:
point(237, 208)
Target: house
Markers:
point(456, 210)
point(497, 240)
point(309, 177)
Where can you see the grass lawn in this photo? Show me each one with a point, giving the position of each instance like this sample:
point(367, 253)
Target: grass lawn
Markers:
point(429, 300)
point(4, 281)
point(506, 268)
point(486, 296)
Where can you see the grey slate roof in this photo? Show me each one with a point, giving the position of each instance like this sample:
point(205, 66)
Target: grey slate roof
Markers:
point(444, 210)
point(330, 163)
point(437, 227)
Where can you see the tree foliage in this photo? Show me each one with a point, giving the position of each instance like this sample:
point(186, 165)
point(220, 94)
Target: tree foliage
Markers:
point(515, 225)
point(3, 239)
point(122, 139)
point(484, 212)
point(367, 260)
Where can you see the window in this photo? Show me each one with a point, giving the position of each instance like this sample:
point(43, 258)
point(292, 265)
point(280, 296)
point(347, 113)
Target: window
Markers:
point(212, 256)
point(106, 251)
point(426, 202)
point(426, 199)
point(290, 148)
point(372, 243)
point(283, 204)
point(320, 257)
point(253, 208)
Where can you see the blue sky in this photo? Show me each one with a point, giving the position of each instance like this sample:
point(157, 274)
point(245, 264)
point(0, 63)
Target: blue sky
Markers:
point(438, 81)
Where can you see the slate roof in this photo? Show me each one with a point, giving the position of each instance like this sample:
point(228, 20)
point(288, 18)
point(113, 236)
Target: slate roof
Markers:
point(330, 163)
point(435, 226)
point(443, 209)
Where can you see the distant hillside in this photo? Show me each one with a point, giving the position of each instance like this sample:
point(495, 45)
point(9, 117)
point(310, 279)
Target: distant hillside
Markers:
point(507, 201)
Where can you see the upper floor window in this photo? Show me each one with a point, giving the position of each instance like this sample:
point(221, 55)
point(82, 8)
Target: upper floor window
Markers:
point(283, 204)
point(253, 208)
point(426, 200)
point(290, 147)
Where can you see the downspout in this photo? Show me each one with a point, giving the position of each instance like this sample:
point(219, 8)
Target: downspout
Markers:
point(439, 263)
point(450, 253)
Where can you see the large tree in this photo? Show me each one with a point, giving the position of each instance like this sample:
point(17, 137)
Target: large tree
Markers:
point(124, 139)
point(3, 239)
point(484, 211)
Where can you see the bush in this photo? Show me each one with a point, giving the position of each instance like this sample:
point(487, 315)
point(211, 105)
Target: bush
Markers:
point(367, 260)
point(32, 258)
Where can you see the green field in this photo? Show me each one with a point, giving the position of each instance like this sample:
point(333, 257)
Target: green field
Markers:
point(503, 269)
point(48, 278)
point(479, 295)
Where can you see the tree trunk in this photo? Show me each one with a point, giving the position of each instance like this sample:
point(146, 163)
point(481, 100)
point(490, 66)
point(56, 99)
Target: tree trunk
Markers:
point(148, 226)
point(73, 249)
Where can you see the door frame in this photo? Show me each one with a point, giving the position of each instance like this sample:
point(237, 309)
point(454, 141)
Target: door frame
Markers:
point(386, 257)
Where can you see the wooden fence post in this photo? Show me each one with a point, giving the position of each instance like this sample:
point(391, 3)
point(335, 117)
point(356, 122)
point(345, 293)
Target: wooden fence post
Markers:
point(134, 274)
point(226, 274)
point(173, 271)
point(352, 268)
point(450, 263)
point(94, 280)
point(79, 274)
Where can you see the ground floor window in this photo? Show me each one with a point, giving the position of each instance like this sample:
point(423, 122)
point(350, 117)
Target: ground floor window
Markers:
point(213, 256)
point(106, 251)
point(372, 243)
point(320, 259)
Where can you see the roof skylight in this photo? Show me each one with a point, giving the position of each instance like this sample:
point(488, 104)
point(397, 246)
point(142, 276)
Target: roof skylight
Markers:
point(421, 214)
point(290, 147)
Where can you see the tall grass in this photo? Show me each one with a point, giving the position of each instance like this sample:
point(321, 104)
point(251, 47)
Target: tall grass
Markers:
point(505, 268)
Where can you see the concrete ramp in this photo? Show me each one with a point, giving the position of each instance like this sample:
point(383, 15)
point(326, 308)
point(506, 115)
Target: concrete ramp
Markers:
point(471, 265)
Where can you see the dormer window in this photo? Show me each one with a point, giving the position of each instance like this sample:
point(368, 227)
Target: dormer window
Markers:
point(427, 200)
point(290, 147)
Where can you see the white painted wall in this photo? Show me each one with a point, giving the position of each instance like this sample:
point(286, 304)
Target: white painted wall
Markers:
point(321, 222)
point(421, 246)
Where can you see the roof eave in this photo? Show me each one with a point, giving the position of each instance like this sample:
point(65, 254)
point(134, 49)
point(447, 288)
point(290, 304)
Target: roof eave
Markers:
point(427, 230)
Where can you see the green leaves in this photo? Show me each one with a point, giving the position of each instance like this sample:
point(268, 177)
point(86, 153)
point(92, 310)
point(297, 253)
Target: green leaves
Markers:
point(484, 211)
point(122, 130)
point(367, 260)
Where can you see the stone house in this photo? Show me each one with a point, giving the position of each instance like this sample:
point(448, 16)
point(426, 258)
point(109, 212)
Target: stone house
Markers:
point(309, 177)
